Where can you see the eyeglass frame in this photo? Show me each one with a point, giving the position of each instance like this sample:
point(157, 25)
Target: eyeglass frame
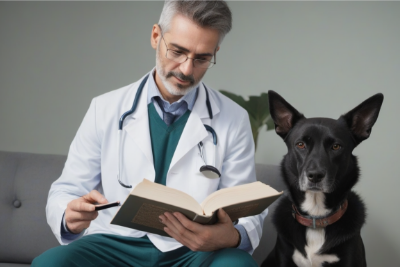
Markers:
point(194, 59)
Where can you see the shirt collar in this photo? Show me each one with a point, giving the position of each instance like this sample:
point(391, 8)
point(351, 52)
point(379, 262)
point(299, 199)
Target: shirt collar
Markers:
point(153, 91)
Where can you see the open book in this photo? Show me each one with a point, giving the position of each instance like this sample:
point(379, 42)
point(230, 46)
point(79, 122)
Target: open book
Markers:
point(148, 200)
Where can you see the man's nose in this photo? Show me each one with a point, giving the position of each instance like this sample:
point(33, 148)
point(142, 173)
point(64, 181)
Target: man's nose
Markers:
point(187, 67)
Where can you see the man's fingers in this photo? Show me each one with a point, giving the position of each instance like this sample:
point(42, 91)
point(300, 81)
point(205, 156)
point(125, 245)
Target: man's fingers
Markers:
point(171, 222)
point(176, 230)
point(175, 226)
point(86, 207)
point(76, 221)
point(223, 217)
point(95, 197)
point(199, 237)
point(80, 212)
point(82, 216)
point(80, 205)
point(86, 202)
point(188, 224)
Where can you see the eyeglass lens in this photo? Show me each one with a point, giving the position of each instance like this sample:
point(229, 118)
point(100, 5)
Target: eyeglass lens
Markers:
point(180, 58)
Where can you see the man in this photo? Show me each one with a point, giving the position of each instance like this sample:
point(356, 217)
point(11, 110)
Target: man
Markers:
point(159, 141)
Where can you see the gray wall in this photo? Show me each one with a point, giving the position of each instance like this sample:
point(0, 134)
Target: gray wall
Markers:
point(325, 58)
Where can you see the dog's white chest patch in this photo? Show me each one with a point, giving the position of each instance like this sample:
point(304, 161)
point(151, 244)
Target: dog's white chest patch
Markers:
point(315, 239)
point(314, 205)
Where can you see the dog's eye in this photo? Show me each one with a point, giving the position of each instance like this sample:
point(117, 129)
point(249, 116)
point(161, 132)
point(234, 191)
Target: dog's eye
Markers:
point(301, 145)
point(336, 147)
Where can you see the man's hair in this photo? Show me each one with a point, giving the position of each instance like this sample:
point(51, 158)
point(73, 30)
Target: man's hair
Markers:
point(207, 14)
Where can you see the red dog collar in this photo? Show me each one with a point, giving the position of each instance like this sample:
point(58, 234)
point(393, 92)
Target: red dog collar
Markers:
point(320, 222)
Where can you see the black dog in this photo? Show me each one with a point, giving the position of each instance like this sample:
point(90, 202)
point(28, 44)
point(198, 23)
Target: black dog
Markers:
point(319, 220)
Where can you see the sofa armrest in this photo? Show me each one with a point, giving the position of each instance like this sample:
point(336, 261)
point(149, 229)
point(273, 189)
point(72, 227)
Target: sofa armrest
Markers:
point(270, 175)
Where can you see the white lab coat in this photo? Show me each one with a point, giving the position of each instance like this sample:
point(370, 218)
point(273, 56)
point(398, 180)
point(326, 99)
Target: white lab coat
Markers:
point(92, 159)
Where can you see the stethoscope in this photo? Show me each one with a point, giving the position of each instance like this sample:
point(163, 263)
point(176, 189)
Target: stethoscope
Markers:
point(208, 171)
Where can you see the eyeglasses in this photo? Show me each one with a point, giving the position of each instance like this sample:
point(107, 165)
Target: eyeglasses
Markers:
point(180, 57)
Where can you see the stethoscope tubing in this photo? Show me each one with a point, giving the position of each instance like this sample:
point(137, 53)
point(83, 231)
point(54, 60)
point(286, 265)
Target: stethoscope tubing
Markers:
point(135, 103)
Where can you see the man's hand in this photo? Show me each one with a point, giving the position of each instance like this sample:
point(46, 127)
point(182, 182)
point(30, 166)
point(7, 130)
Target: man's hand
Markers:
point(81, 211)
point(199, 237)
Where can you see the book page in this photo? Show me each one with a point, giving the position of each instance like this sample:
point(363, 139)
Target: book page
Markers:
point(171, 196)
point(237, 194)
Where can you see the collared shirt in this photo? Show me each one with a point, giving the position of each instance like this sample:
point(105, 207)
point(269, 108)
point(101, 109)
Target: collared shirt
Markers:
point(177, 108)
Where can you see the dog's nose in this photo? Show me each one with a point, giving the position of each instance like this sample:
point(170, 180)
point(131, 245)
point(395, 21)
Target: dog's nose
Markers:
point(315, 176)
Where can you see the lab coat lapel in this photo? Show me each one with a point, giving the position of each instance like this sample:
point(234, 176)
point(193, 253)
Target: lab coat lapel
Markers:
point(194, 130)
point(137, 126)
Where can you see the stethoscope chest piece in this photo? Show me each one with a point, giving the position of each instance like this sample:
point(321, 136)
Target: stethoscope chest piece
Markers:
point(210, 171)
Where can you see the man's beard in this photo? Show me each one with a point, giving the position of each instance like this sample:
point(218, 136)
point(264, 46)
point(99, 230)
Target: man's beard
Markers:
point(175, 89)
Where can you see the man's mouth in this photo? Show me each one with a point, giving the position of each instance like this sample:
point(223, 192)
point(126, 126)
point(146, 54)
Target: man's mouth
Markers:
point(181, 78)
point(181, 81)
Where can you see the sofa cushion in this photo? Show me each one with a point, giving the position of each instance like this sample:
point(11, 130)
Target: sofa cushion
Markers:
point(25, 181)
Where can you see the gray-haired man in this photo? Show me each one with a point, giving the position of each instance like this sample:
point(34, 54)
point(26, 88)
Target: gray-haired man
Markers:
point(160, 143)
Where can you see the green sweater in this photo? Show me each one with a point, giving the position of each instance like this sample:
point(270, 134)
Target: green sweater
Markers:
point(164, 140)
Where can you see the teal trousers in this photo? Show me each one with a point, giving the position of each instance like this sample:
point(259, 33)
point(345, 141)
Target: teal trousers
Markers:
point(112, 250)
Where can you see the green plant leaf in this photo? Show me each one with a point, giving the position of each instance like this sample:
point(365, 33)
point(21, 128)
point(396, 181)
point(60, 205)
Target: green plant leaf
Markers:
point(258, 109)
point(255, 128)
point(270, 123)
point(236, 98)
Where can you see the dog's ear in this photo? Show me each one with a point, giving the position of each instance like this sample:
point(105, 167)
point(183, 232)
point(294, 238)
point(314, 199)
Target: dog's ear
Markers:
point(361, 119)
point(283, 114)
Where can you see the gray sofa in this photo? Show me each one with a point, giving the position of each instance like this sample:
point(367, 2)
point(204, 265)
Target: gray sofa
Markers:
point(25, 180)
